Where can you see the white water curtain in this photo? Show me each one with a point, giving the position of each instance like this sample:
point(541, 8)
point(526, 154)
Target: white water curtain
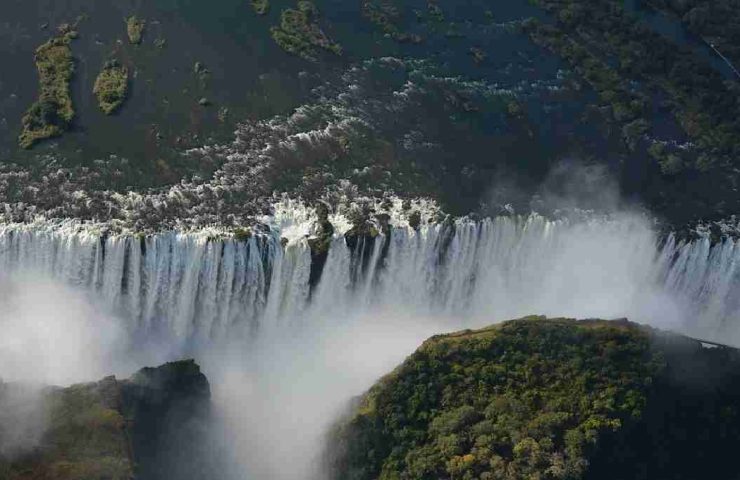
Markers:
point(188, 285)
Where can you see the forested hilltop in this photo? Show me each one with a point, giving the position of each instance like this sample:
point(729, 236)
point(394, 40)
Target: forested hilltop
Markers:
point(548, 399)
point(150, 113)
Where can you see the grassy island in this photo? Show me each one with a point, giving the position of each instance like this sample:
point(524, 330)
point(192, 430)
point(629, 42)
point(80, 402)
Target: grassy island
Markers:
point(111, 86)
point(261, 7)
point(52, 113)
point(135, 29)
point(300, 34)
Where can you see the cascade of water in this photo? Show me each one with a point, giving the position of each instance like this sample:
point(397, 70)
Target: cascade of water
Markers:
point(189, 285)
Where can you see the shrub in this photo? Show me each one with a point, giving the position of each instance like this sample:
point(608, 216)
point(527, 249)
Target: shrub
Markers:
point(135, 29)
point(52, 113)
point(111, 87)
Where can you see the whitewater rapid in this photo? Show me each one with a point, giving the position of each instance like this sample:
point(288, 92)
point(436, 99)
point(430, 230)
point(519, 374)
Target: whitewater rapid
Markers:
point(201, 285)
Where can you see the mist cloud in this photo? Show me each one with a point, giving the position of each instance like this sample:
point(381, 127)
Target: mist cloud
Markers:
point(277, 398)
point(22, 418)
point(54, 334)
point(50, 334)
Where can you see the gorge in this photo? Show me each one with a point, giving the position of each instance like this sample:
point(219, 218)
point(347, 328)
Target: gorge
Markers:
point(297, 194)
point(284, 353)
point(207, 284)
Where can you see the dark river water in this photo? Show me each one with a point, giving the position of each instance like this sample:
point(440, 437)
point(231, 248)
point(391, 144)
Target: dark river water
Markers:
point(251, 78)
point(248, 74)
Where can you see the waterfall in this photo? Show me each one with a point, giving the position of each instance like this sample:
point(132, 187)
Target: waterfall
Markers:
point(284, 353)
point(199, 285)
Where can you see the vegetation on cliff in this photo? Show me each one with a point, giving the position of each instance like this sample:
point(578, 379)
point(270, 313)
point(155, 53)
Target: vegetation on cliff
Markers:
point(531, 399)
point(111, 86)
point(86, 437)
point(52, 113)
point(526, 399)
point(111, 429)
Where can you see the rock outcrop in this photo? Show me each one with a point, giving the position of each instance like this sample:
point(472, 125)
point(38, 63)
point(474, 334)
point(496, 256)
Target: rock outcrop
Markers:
point(320, 242)
point(167, 409)
point(146, 427)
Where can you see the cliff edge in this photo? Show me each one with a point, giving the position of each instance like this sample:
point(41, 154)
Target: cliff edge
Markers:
point(541, 398)
point(111, 429)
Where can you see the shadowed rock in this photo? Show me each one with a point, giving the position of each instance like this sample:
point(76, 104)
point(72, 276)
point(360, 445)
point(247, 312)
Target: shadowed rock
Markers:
point(151, 426)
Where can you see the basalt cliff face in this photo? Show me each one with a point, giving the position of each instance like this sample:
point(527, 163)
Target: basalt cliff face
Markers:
point(145, 427)
point(548, 399)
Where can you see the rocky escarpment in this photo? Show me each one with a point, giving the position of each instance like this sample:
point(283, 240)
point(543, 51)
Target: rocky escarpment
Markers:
point(146, 427)
point(548, 399)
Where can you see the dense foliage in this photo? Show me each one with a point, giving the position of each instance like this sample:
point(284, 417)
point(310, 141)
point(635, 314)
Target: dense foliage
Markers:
point(86, 438)
point(52, 113)
point(148, 427)
point(300, 34)
point(135, 29)
point(526, 399)
point(111, 86)
point(548, 399)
